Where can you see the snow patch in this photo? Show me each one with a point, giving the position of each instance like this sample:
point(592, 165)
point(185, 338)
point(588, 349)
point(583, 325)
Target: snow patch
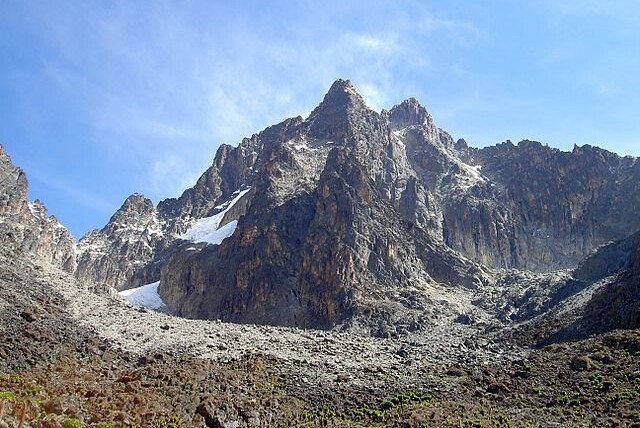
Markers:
point(207, 229)
point(474, 171)
point(32, 208)
point(145, 295)
point(304, 145)
point(206, 233)
point(236, 197)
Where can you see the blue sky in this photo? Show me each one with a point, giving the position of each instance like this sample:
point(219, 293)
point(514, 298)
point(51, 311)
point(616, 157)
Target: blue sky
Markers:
point(100, 99)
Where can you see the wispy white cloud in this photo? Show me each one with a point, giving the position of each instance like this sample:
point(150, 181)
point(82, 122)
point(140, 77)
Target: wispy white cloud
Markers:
point(233, 91)
point(387, 44)
point(592, 46)
point(172, 173)
point(154, 88)
point(460, 30)
point(604, 86)
point(88, 199)
point(372, 95)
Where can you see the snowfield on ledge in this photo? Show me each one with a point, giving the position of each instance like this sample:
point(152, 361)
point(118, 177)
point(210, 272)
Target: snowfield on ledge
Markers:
point(207, 229)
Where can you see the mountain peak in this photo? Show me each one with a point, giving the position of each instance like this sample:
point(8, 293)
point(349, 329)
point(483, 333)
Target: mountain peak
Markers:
point(341, 95)
point(136, 203)
point(134, 198)
point(341, 105)
point(409, 112)
point(134, 210)
point(342, 86)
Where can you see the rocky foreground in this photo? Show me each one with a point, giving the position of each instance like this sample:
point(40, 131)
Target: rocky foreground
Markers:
point(72, 358)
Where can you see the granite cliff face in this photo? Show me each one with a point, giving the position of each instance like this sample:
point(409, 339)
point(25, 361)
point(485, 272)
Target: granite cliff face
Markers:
point(27, 225)
point(356, 218)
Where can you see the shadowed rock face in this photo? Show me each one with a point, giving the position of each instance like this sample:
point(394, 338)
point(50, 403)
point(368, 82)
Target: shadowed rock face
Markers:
point(27, 224)
point(13, 188)
point(322, 228)
point(635, 261)
point(350, 208)
point(563, 205)
point(612, 272)
point(617, 306)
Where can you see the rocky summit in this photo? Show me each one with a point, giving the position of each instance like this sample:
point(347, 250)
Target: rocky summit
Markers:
point(354, 268)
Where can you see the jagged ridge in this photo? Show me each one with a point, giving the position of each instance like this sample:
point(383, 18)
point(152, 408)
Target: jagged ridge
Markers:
point(350, 206)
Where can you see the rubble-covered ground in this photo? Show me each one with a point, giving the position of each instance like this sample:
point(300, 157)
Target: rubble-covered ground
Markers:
point(72, 358)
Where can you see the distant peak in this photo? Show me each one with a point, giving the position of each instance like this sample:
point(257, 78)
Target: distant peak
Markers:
point(411, 102)
point(409, 112)
point(136, 196)
point(533, 146)
point(529, 143)
point(588, 149)
point(134, 206)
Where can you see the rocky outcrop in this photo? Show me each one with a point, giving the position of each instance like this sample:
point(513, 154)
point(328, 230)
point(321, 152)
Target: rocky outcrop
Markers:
point(341, 115)
point(600, 295)
point(137, 241)
point(27, 224)
point(13, 188)
point(117, 254)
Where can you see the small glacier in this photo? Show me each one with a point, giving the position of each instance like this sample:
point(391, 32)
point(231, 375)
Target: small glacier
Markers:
point(145, 295)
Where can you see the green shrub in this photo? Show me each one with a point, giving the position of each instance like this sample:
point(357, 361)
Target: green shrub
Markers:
point(72, 423)
point(7, 395)
point(375, 415)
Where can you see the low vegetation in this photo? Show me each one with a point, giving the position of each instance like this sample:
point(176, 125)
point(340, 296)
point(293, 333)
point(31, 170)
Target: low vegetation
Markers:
point(115, 391)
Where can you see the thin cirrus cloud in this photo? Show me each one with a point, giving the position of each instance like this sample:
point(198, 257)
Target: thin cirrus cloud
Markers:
point(90, 200)
point(462, 31)
point(388, 44)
